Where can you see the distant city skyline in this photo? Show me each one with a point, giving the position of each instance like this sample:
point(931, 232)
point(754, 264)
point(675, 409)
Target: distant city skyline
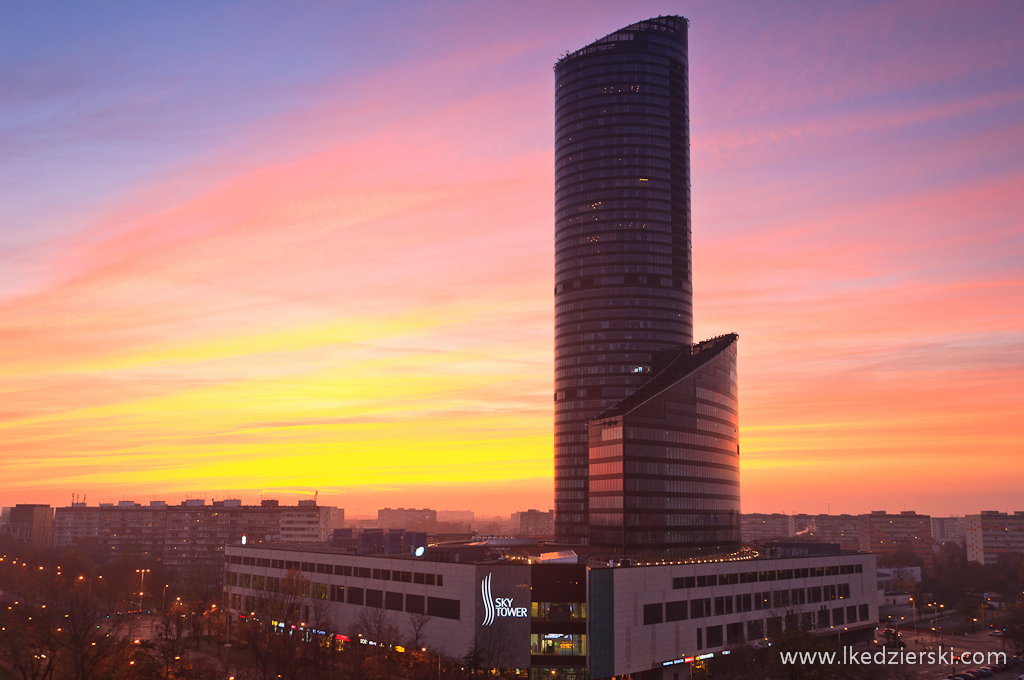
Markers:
point(301, 250)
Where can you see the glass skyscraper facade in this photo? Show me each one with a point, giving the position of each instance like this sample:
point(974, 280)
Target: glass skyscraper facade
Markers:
point(664, 462)
point(622, 233)
point(625, 365)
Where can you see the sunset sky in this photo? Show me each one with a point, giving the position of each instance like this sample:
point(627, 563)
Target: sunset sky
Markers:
point(279, 248)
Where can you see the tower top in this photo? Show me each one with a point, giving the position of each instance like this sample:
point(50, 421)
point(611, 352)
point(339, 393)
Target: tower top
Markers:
point(672, 25)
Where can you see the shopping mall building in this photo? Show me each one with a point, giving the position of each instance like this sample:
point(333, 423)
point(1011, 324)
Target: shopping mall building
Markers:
point(552, 618)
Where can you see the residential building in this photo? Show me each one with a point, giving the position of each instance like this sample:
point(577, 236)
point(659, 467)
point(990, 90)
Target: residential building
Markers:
point(947, 530)
point(31, 524)
point(190, 537)
point(758, 528)
point(908, 531)
point(841, 529)
point(535, 523)
point(405, 518)
point(991, 533)
point(456, 516)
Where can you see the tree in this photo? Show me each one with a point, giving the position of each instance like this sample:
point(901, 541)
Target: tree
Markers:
point(273, 631)
point(417, 624)
point(376, 625)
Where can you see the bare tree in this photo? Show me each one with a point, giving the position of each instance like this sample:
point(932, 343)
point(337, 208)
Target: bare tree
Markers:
point(321, 650)
point(417, 624)
point(273, 634)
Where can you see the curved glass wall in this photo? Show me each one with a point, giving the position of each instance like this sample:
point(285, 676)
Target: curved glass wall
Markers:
point(622, 234)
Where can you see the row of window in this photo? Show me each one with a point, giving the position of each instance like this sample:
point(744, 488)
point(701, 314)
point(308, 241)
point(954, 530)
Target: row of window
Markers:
point(618, 173)
point(592, 120)
point(341, 570)
point(607, 258)
point(621, 147)
point(565, 78)
point(601, 226)
point(666, 542)
point(707, 580)
point(712, 636)
point(620, 325)
point(570, 102)
point(607, 237)
point(662, 206)
point(615, 60)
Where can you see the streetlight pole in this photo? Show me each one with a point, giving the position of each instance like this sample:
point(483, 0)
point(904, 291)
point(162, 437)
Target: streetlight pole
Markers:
point(142, 581)
point(163, 600)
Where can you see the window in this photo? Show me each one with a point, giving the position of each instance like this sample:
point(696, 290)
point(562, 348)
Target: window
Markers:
point(755, 630)
point(374, 598)
point(652, 613)
point(675, 611)
point(415, 604)
point(558, 644)
point(734, 633)
point(837, 617)
point(443, 607)
point(558, 612)
point(864, 611)
point(723, 605)
point(700, 608)
point(714, 635)
point(683, 582)
point(355, 595)
point(393, 601)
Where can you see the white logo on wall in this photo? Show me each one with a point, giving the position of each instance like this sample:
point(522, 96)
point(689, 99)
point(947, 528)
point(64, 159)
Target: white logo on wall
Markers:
point(497, 606)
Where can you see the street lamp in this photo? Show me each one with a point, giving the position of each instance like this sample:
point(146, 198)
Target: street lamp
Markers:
point(142, 579)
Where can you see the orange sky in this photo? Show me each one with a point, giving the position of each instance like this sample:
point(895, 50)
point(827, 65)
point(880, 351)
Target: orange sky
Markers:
point(282, 254)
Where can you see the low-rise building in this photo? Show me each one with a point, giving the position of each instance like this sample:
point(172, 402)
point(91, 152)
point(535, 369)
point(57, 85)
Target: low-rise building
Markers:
point(556, 619)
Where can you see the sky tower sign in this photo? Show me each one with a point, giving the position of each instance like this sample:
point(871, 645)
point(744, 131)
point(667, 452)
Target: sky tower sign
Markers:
point(499, 607)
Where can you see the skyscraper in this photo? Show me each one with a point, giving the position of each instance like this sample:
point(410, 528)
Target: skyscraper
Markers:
point(623, 295)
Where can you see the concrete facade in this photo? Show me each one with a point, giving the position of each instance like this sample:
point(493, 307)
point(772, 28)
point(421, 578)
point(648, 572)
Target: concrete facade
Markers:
point(990, 533)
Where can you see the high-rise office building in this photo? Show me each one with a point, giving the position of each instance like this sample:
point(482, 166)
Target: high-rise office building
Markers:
point(623, 303)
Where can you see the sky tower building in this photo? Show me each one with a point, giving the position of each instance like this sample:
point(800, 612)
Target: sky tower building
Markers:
point(646, 422)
